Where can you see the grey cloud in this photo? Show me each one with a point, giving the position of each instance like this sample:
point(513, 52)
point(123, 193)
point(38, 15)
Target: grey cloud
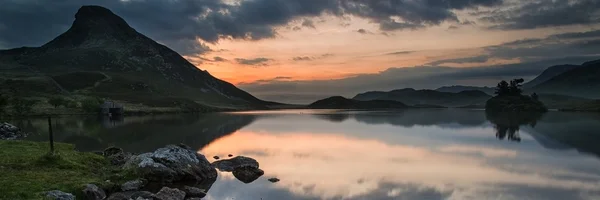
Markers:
point(539, 14)
point(362, 31)
point(252, 61)
point(308, 23)
point(475, 59)
point(219, 59)
point(32, 23)
point(304, 58)
point(400, 53)
point(577, 35)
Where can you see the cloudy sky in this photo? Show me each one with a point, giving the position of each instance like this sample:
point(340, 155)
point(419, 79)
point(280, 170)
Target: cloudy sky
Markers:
point(300, 50)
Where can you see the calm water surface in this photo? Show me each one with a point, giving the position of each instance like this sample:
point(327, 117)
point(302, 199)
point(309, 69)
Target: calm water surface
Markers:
point(329, 154)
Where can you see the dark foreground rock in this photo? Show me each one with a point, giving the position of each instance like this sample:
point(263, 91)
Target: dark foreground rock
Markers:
point(172, 164)
point(133, 185)
point(247, 174)
point(10, 132)
point(229, 165)
point(193, 192)
point(59, 195)
point(93, 192)
point(170, 194)
point(274, 180)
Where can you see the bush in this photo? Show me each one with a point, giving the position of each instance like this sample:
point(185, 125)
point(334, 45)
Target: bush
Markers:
point(57, 101)
point(91, 104)
point(21, 106)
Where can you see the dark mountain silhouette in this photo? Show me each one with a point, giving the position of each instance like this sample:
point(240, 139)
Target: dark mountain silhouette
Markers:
point(582, 81)
point(134, 65)
point(338, 102)
point(428, 97)
point(549, 73)
point(460, 88)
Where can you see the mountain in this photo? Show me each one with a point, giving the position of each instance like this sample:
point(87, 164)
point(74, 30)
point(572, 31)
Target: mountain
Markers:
point(548, 74)
point(460, 88)
point(428, 97)
point(582, 81)
point(101, 55)
point(338, 102)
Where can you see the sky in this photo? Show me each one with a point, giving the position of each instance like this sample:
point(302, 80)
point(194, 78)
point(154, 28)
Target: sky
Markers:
point(297, 51)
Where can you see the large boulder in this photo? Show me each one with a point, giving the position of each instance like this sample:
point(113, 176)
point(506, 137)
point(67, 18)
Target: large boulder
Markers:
point(116, 156)
point(169, 194)
point(172, 164)
point(59, 195)
point(247, 174)
point(229, 165)
point(10, 132)
point(93, 192)
point(133, 185)
point(193, 192)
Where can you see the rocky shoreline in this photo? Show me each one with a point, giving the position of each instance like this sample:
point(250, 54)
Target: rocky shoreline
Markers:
point(174, 172)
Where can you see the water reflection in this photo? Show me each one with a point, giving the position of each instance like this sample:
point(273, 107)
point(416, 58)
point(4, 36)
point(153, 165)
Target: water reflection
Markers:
point(412, 154)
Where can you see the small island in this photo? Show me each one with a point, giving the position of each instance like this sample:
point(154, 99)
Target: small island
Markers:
point(509, 98)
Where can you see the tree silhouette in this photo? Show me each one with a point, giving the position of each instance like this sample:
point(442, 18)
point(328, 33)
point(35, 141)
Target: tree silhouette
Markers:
point(502, 88)
point(535, 97)
point(515, 87)
point(510, 89)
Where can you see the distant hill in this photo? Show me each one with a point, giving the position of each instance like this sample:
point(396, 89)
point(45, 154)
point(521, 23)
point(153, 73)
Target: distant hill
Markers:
point(582, 81)
point(117, 63)
point(428, 97)
point(338, 102)
point(460, 88)
point(548, 74)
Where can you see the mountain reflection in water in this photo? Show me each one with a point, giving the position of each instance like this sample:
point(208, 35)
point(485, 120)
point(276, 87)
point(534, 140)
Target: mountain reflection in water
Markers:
point(412, 154)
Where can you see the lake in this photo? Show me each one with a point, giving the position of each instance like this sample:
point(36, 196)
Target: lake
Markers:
point(421, 154)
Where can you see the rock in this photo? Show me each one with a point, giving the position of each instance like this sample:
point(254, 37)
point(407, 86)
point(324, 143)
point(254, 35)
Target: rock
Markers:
point(230, 164)
point(247, 174)
point(216, 157)
point(93, 192)
point(133, 185)
point(172, 164)
point(119, 158)
point(59, 195)
point(10, 132)
point(170, 194)
point(230, 155)
point(112, 151)
point(142, 195)
point(121, 196)
point(193, 192)
point(274, 180)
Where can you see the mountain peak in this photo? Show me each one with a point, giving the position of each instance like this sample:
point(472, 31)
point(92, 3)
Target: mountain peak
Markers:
point(93, 26)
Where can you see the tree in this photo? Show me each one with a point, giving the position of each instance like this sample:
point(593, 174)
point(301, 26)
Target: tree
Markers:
point(534, 96)
point(22, 106)
point(3, 103)
point(91, 104)
point(502, 88)
point(515, 87)
point(57, 101)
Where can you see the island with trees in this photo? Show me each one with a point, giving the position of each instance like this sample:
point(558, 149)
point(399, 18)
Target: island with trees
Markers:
point(509, 97)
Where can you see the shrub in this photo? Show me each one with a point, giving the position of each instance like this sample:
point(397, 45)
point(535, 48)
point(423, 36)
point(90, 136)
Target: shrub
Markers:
point(22, 106)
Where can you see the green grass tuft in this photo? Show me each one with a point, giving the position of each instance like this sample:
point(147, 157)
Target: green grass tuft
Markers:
point(28, 170)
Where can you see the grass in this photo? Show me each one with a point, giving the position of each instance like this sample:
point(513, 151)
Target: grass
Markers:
point(28, 170)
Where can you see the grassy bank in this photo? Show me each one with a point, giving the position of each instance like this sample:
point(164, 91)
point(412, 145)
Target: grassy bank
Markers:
point(28, 170)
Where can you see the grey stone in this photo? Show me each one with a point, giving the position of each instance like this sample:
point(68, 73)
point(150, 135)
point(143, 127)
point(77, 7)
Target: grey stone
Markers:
point(274, 180)
point(112, 151)
point(93, 192)
point(133, 185)
point(59, 195)
point(229, 165)
point(247, 174)
point(193, 192)
point(170, 194)
point(121, 195)
point(10, 132)
point(171, 164)
point(142, 194)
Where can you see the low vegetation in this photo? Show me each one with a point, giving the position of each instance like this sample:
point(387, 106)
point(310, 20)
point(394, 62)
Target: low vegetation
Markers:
point(28, 170)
